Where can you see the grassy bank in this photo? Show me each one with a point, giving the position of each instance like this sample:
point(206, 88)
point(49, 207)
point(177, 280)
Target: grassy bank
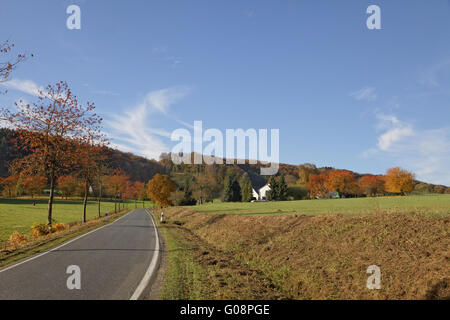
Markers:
point(305, 257)
point(433, 205)
point(196, 270)
point(20, 214)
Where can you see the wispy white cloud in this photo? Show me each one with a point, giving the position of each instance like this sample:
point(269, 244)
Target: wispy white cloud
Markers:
point(132, 131)
point(435, 75)
point(25, 86)
point(424, 151)
point(364, 94)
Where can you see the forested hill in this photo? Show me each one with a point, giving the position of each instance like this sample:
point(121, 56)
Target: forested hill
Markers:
point(142, 169)
point(138, 168)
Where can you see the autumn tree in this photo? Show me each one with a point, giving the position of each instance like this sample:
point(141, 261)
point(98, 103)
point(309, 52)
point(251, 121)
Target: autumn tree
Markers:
point(101, 179)
point(202, 187)
point(91, 156)
point(342, 181)
point(371, 185)
point(399, 181)
point(130, 193)
point(9, 185)
point(48, 131)
point(160, 188)
point(317, 185)
point(67, 185)
point(305, 171)
point(6, 67)
point(117, 184)
point(33, 185)
point(140, 191)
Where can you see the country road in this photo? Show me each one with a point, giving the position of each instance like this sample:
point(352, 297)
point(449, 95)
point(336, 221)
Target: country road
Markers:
point(113, 261)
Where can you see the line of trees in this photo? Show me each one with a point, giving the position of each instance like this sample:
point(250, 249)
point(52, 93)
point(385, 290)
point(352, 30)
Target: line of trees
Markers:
point(347, 184)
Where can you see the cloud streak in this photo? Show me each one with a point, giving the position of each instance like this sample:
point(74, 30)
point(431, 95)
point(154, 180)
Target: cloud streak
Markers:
point(364, 94)
point(424, 151)
point(25, 86)
point(132, 131)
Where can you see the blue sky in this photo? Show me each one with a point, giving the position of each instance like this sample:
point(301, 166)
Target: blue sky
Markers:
point(341, 95)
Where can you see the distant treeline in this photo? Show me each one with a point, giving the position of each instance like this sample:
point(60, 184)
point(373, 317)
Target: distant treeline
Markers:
point(207, 182)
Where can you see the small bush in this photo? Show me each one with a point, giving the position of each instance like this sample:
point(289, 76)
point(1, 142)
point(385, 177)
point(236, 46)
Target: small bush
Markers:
point(60, 226)
point(40, 229)
point(17, 239)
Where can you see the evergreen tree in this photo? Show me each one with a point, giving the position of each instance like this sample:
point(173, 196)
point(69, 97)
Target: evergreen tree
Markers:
point(228, 189)
point(236, 189)
point(272, 193)
point(282, 189)
point(246, 188)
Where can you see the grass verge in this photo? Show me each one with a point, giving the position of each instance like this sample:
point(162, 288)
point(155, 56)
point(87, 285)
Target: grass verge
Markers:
point(198, 271)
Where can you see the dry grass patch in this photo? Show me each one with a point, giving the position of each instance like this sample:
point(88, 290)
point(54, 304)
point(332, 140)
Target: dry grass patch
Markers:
point(326, 257)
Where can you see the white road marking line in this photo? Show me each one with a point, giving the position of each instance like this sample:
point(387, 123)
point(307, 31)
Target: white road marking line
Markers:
point(58, 247)
point(151, 269)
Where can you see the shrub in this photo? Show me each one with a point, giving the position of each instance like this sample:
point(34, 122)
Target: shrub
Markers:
point(16, 239)
point(40, 229)
point(60, 226)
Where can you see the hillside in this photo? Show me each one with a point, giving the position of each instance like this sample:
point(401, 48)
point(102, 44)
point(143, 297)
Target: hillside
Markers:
point(139, 168)
point(142, 169)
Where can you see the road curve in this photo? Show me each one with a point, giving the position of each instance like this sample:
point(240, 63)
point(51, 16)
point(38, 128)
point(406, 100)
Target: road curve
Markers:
point(113, 260)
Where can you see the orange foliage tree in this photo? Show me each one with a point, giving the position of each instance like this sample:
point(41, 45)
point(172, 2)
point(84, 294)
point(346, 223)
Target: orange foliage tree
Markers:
point(9, 186)
point(49, 132)
point(372, 185)
point(34, 185)
point(342, 181)
point(399, 181)
point(117, 184)
point(140, 191)
point(317, 185)
point(160, 188)
point(67, 185)
point(305, 171)
point(7, 67)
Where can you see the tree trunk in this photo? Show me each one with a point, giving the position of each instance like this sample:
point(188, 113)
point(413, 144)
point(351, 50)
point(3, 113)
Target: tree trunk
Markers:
point(115, 205)
point(86, 190)
point(50, 199)
point(99, 200)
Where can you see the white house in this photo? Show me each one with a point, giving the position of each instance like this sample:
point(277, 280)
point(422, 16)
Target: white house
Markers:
point(262, 192)
point(255, 194)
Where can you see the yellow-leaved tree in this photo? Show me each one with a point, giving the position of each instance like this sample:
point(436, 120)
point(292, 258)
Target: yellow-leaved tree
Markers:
point(399, 180)
point(160, 188)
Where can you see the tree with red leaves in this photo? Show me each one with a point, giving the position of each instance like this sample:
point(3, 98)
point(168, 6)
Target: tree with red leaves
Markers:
point(49, 131)
point(90, 158)
point(371, 185)
point(34, 185)
point(9, 185)
point(342, 181)
point(117, 184)
point(8, 66)
point(317, 185)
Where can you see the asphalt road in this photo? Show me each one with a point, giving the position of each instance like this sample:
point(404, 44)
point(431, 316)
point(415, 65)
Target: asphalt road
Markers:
point(113, 260)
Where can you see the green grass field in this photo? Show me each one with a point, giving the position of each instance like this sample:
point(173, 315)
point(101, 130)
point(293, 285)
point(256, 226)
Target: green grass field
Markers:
point(20, 214)
point(433, 205)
